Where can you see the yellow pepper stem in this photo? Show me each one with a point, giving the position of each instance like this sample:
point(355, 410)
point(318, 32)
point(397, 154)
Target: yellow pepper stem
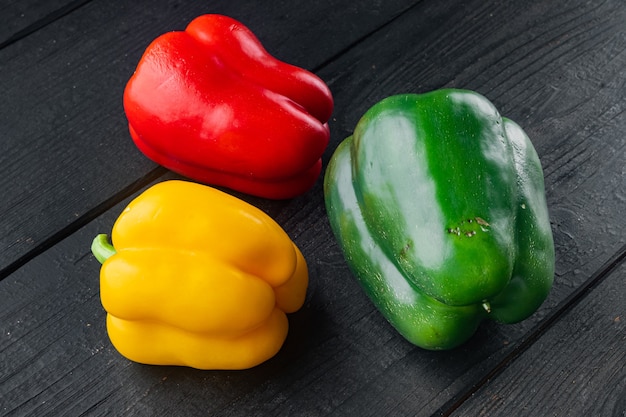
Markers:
point(101, 248)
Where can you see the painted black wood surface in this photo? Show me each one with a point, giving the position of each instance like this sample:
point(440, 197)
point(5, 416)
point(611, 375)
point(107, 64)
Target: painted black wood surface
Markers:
point(69, 167)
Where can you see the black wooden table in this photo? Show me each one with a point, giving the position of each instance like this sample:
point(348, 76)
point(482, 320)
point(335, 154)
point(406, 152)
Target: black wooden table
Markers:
point(68, 167)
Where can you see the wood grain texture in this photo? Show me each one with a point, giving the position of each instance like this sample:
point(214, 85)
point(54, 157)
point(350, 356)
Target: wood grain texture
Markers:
point(578, 368)
point(65, 147)
point(559, 72)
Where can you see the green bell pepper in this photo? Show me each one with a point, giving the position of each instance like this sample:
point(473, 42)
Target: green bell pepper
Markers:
point(438, 205)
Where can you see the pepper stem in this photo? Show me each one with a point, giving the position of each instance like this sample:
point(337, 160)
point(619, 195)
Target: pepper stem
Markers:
point(486, 306)
point(101, 248)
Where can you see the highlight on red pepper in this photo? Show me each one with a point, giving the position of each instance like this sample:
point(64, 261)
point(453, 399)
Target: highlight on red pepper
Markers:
point(212, 104)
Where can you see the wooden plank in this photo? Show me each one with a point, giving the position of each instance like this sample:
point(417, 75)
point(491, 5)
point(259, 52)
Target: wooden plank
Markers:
point(341, 357)
point(21, 18)
point(53, 336)
point(65, 148)
point(575, 369)
point(529, 62)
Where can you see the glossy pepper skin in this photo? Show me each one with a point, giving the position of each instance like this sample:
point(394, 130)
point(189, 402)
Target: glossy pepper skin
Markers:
point(199, 278)
point(438, 204)
point(210, 103)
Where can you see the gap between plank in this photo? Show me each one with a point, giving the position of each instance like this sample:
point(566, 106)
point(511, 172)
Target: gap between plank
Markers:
point(45, 21)
point(83, 220)
point(358, 41)
point(564, 307)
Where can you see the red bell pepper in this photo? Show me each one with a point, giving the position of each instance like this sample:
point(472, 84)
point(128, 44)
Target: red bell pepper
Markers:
point(210, 103)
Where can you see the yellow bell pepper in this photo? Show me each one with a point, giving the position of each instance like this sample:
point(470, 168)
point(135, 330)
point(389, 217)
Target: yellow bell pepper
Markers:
point(199, 278)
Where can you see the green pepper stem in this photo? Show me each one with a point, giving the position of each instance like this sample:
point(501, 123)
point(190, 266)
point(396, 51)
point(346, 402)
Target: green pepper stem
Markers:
point(101, 248)
point(487, 306)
